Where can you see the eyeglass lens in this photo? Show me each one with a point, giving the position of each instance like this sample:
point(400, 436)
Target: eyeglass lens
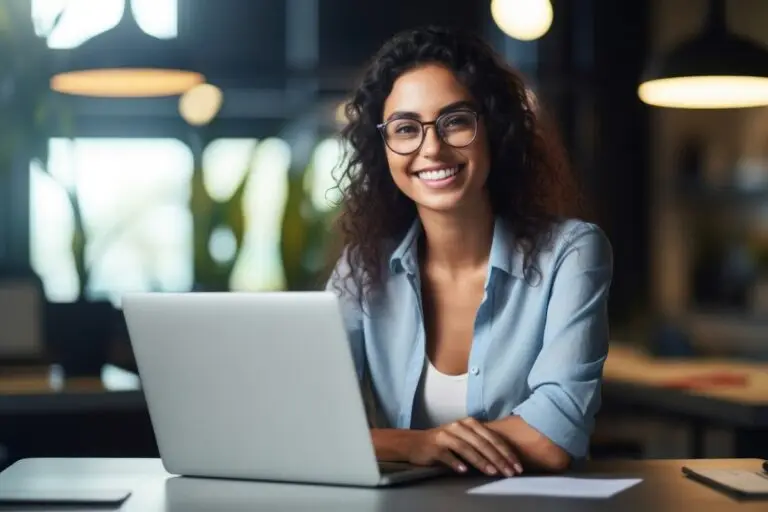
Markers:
point(456, 129)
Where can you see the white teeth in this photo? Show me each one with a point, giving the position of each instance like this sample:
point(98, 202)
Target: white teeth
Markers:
point(439, 174)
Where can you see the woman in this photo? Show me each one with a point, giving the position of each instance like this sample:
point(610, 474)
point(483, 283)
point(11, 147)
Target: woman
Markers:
point(473, 297)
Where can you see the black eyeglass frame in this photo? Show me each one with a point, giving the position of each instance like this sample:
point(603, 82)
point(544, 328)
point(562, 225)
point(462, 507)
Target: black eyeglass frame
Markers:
point(382, 127)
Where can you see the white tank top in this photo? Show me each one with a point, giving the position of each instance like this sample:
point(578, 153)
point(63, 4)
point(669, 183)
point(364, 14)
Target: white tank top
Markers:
point(440, 398)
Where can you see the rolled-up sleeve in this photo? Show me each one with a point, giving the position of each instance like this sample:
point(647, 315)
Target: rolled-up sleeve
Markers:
point(351, 311)
point(565, 380)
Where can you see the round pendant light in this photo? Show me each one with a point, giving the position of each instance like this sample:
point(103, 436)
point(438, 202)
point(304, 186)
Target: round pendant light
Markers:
point(126, 62)
point(716, 69)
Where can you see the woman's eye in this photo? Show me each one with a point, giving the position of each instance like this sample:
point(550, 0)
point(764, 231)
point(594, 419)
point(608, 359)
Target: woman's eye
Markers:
point(456, 121)
point(404, 129)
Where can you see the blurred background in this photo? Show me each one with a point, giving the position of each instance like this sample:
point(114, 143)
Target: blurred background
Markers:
point(177, 145)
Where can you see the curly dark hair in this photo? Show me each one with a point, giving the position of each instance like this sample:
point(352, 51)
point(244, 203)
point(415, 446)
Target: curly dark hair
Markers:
point(529, 183)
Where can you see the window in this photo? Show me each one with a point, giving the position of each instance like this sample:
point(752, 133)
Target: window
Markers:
point(134, 197)
point(83, 19)
point(135, 201)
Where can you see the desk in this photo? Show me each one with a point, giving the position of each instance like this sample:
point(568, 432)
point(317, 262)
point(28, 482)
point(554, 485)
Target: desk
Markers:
point(45, 390)
point(663, 488)
point(643, 380)
point(634, 379)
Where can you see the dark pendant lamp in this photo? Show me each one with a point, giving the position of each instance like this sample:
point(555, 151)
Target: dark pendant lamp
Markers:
point(126, 62)
point(716, 69)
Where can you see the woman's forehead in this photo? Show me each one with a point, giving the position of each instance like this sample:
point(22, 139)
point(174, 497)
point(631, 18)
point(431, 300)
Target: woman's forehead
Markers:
point(425, 91)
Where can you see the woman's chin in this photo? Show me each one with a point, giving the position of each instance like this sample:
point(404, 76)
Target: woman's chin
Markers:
point(443, 203)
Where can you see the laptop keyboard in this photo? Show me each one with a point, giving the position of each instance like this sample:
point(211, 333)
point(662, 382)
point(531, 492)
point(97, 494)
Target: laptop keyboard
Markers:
point(387, 468)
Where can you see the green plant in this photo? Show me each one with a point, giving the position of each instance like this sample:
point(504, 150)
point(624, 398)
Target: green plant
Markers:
point(31, 114)
point(305, 239)
point(28, 110)
point(208, 215)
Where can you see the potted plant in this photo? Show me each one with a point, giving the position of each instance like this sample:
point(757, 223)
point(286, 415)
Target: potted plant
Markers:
point(77, 333)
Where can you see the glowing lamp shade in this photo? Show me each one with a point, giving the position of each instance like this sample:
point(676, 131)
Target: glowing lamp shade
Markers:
point(525, 20)
point(133, 82)
point(714, 70)
point(126, 62)
point(199, 105)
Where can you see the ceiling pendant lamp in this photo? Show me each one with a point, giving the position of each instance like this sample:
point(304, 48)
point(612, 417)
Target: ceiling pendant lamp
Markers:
point(126, 62)
point(716, 69)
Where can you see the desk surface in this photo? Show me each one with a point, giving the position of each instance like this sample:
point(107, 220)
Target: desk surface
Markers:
point(663, 488)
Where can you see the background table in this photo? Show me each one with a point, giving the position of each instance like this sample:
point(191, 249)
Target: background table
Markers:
point(705, 394)
point(42, 413)
point(664, 488)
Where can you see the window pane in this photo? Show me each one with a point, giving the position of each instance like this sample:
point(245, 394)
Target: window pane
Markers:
point(225, 163)
point(83, 19)
point(134, 198)
point(157, 17)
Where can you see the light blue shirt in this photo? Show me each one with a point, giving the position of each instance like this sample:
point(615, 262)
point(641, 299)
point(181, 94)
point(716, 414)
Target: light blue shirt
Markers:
point(538, 348)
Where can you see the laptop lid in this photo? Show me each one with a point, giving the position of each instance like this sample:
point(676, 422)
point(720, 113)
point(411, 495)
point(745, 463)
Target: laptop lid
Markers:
point(251, 385)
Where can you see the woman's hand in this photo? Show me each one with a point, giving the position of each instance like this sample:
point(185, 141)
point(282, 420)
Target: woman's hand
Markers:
point(469, 441)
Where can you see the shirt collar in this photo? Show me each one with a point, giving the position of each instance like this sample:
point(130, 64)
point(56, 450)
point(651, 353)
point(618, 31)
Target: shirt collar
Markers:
point(404, 256)
point(504, 255)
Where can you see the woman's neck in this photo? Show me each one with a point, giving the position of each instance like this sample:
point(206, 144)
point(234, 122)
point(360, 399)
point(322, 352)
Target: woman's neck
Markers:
point(457, 242)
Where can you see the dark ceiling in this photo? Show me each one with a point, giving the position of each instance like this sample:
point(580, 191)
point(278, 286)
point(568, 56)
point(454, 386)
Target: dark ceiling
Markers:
point(245, 40)
point(245, 47)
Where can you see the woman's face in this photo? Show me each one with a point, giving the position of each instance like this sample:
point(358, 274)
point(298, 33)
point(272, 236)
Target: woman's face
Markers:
point(445, 173)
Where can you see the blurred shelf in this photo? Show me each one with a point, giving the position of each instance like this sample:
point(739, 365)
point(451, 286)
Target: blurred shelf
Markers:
point(729, 332)
point(723, 196)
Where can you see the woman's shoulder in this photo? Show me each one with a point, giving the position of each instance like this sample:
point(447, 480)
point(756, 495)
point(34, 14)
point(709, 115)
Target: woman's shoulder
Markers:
point(567, 231)
point(568, 240)
point(583, 241)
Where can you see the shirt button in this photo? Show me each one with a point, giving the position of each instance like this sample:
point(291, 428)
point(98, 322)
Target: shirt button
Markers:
point(474, 370)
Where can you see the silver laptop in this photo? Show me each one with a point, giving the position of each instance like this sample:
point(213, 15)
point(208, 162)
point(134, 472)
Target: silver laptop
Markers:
point(255, 386)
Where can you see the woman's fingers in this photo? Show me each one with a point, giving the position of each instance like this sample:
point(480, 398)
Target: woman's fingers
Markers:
point(496, 462)
point(448, 458)
point(498, 442)
point(460, 447)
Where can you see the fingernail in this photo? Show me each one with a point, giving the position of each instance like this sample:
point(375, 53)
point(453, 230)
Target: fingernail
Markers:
point(518, 468)
point(462, 468)
point(491, 470)
point(508, 471)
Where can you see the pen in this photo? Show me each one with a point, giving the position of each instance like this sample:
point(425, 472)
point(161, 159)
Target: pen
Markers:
point(765, 466)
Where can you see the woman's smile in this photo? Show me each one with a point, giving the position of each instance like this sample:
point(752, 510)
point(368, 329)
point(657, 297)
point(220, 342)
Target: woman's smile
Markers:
point(440, 176)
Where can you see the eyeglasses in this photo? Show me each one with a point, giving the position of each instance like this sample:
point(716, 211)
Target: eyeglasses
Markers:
point(404, 136)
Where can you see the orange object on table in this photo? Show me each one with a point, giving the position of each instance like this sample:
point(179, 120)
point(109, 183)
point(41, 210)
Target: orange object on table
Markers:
point(709, 380)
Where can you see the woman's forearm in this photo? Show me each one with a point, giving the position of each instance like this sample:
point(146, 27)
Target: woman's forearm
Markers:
point(534, 449)
point(394, 444)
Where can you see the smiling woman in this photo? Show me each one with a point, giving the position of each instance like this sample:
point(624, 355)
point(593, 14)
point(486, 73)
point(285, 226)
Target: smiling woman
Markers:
point(474, 296)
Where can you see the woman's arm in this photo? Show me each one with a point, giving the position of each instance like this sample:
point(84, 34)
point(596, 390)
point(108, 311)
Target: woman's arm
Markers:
point(394, 444)
point(536, 451)
point(466, 441)
point(553, 425)
point(351, 310)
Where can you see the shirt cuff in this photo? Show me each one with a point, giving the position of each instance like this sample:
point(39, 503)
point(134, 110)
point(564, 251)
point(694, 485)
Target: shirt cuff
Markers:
point(543, 414)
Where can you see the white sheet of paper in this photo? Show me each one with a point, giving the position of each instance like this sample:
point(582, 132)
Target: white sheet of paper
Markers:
point(557, 486)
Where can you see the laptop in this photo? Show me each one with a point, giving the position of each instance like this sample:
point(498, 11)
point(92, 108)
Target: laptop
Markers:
point(257, 386)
